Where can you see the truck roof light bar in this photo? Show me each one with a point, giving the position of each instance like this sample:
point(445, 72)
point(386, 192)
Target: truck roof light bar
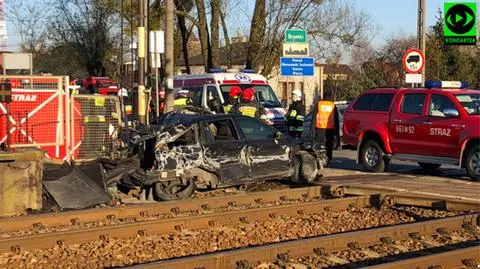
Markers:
point(446, 84)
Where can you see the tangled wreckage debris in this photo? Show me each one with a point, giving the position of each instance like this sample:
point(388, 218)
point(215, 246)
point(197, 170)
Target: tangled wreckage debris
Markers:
point(181, 152)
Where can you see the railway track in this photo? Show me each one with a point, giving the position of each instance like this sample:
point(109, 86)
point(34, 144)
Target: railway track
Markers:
point(172, 208)
point(321, 246)
point(168, 225)
point(296, 207)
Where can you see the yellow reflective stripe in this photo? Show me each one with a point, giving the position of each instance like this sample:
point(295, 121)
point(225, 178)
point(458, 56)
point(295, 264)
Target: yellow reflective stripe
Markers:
point(293, 113)
point(94, 119)
point(227, 108)
point(99, 101)
point(248, 111)
point(300, 117)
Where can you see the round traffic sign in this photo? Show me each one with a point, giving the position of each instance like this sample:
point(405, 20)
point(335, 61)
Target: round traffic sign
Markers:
point(413, 61)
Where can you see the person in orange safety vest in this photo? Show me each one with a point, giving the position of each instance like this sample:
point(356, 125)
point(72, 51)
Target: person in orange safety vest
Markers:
point(327, 124)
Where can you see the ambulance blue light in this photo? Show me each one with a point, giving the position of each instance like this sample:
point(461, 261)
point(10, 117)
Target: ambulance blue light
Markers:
point(215, 70)
point(248, 71)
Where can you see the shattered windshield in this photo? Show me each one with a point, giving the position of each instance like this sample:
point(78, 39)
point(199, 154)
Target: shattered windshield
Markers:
point(470, 102)
point(263, 93)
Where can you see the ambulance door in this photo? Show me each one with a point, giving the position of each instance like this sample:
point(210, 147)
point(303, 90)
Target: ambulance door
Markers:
point(210, 92)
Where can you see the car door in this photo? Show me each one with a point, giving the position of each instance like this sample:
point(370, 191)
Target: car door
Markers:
point(225, 150)
point(444, 129)
point(269, 155)
point(407, 124)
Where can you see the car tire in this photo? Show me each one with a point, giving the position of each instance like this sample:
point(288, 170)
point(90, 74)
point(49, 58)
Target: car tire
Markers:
point(472, 162)
point(306, 168)
point(174, 190)
point(372, 157)
point(429, 167)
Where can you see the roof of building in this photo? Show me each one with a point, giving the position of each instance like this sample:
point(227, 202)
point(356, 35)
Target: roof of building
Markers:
point(238, 56)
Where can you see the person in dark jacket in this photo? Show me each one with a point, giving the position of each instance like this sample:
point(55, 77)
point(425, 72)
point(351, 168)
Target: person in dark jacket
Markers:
point(249, 106)
point(296, 115)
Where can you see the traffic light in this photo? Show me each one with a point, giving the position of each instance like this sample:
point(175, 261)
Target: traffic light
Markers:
point(5, 92)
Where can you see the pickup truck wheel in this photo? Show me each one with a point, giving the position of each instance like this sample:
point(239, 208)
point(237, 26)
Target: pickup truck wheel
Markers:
point(306, 168)
point(372, 157)
point(473, 162)
point(429, 167)
point(174, 190)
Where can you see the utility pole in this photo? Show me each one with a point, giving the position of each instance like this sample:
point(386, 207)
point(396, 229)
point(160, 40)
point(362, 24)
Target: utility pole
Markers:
point(141, 104)
point(169, 57)
point(421, 33)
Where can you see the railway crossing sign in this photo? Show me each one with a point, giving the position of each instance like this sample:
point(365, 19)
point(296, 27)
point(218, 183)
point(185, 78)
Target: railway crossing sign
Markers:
point(413, 61)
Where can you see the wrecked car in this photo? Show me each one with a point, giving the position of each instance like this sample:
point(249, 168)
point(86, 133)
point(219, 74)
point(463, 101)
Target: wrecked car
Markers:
point(184, 152)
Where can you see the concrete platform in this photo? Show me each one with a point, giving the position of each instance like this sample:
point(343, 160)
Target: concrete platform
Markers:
point(21, 176)
point(450, 188)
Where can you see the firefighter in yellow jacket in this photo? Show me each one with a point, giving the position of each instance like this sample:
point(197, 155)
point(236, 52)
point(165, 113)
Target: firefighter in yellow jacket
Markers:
point(249, 106)
point(327, 124)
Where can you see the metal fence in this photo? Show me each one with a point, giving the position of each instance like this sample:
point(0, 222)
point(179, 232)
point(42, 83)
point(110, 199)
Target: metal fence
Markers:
point(42, 114)
point(95, 122)
point(36, 115)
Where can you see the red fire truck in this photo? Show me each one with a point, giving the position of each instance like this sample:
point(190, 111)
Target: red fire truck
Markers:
point(100, 85)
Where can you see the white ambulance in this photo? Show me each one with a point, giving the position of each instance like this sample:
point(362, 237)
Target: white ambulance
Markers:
point(217, 85)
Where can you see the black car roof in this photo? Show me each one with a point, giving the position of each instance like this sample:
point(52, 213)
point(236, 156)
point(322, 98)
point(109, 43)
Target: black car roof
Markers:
point(187, 119)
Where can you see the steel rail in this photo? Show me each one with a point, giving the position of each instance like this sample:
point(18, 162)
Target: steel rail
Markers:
point(458, 258)
point(319, 245)
point(144, 210)
point(164, 226)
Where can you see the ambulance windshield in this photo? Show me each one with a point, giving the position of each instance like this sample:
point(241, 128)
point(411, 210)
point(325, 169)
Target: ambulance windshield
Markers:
point(263, 93)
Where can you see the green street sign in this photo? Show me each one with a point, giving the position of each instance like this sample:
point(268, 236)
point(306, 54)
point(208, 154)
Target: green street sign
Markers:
point(295, 36)
point(460, 23)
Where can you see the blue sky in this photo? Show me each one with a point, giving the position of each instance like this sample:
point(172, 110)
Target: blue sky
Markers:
point(395, 17)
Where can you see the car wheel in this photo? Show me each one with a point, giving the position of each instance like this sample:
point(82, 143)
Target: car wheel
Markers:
point(372, 157)
point(174, 190)
point(429, 167)
point(473, 162)
point(306, 168)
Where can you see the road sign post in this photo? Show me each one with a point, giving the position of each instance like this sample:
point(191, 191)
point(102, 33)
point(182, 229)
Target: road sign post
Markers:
point(413, 63)
point(297, 66)
point(295, 36)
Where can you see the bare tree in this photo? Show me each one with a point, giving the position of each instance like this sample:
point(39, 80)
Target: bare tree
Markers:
point(215, 34)
point(87, 27)
point(203, 33)
point(257, 32)
point(184, 6)
point(28, 19)
point(329, 23)
point(226, 37)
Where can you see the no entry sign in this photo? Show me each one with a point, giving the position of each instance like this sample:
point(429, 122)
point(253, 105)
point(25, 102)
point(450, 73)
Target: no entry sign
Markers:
point(413, 61)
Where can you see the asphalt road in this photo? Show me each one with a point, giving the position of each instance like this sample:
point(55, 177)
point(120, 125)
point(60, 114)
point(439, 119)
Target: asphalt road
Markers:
point(346, 159)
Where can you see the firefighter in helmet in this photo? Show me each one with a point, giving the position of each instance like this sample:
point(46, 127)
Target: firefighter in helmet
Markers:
point(233, 98)
point(182, 100)
point(296, 115)
point(249, 106)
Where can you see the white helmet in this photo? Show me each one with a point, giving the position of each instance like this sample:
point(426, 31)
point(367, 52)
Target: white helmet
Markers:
point(297, 95)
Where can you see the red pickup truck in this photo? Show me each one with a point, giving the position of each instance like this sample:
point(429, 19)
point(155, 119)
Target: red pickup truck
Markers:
point(431, 126)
